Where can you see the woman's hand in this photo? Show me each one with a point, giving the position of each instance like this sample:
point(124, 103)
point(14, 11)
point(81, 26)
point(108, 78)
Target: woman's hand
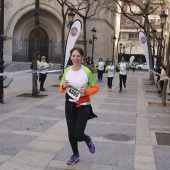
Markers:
point(83, 91)
point(65, 84)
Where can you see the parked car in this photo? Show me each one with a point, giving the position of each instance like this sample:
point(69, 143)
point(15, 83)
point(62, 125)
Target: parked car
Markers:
point(143, 66)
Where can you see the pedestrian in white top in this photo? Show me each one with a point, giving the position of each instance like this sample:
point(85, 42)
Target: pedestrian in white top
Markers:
point(123, 67)
point(110, 69)
point(43, 72)
point(100, 69)
point(163, 74)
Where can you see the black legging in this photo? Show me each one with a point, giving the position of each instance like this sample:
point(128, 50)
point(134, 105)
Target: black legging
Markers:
point(122, 78)
point(100, 74)
point(162, 84)
point(76, 123)
point(42, 80)
point(109, 82)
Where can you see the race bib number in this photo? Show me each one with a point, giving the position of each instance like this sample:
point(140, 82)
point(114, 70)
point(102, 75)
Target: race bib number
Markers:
point(73, 92)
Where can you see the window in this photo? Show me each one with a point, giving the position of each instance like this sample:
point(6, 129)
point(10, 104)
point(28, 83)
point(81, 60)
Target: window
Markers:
point(133, 35)
point(133, 8)
point(131, 23)
point(155, 21)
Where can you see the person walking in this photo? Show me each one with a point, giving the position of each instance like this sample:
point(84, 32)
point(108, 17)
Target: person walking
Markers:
point(133, 69)
point(79, 83)
point(100, 69)
point(161, 81)
point(123, 67)
point(43, 72)
point(110, 69)
point(89, 61)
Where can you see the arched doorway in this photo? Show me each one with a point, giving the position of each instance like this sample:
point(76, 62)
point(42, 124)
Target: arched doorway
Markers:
point(43, 44)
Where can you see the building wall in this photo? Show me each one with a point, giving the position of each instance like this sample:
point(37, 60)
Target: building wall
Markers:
point(19, 22)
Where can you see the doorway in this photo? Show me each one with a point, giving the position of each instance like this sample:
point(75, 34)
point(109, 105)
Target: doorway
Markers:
point(43, 44)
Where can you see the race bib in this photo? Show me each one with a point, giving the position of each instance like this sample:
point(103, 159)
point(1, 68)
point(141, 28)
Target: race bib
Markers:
point(73, 92)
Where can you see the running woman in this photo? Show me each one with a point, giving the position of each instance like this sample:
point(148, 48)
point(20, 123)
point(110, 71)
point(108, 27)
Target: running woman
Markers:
point(110, 74)
point(100, 69)
point(123, 67)
point(78, 82)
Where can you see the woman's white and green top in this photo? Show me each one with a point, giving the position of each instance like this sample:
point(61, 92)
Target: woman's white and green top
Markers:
point(101, 65)
point(77, 79)
point(110, 71)
point(124, 66)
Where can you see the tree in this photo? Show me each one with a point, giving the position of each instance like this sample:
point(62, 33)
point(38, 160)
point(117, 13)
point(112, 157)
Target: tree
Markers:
point(85, 9)
point(64, 12)
point(34, 73)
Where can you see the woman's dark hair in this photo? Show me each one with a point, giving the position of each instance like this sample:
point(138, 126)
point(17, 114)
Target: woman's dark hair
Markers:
point(80, 50)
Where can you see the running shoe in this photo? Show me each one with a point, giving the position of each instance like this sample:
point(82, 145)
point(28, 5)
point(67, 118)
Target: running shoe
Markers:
point(73, 159)
point(91, 145)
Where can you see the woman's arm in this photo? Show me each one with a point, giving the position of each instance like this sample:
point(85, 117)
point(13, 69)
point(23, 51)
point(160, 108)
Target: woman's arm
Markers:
point(92, 90)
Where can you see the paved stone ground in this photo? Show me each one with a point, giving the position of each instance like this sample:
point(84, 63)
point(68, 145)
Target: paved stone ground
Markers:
point(33, 132)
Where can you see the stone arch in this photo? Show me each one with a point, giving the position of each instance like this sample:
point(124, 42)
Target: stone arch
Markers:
point(23, 11)
point(46, 26)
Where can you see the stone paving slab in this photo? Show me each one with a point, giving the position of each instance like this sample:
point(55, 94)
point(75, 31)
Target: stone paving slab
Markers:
point(117, 107)
point(118, 101)
point(29, 124)
point(45, 112)
point(31, 158)
point(11, 144)
point(103, 129)
point(120, 118)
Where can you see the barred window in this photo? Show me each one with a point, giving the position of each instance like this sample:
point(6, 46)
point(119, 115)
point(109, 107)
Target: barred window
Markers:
point(131, 23)
point(133, 36)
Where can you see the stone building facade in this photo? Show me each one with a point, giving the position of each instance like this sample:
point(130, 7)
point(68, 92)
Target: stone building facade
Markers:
point(19, 29)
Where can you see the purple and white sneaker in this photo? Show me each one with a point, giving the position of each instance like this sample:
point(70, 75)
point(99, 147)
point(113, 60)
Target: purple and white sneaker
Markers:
point(73, 159)
point(91, 145)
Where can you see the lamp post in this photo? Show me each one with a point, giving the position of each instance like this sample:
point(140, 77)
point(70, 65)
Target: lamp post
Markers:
point(71, 16)
point(123, 49)
point(36, 48)
point(1, 50)
point(120, 53)
point(114, 39)
point(154, 30)
point(131, 47)
point(120, 48)
point(163, 17)
point(93, 35)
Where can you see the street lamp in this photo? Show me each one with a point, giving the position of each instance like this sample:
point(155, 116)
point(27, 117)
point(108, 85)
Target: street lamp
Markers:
point(120, 48)
point(71, 16)
point(123, 49)
point(154, 31)
point(114, 39)
point(1, 50)
point(120, 54)
point(163, 17)
point(131, 45)
point(94, 37)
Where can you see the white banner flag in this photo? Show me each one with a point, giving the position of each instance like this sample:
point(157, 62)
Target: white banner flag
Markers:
point(144, 44)
point(71, 39)
point(131, 59)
